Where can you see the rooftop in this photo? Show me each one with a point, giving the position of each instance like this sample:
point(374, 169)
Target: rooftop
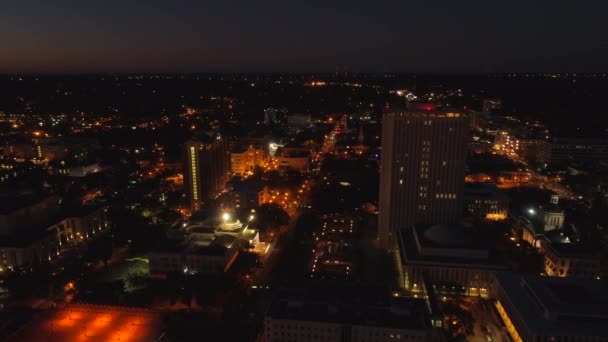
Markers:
point(15, 202)
point(343, 308)
point(443, 235)
point(555, 241)
point(558, 306)
point(483, 190)
point(248, 185)
point(468, 252)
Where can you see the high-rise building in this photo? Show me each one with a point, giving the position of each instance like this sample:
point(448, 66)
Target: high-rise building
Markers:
point(422, 170)
point(206, 169)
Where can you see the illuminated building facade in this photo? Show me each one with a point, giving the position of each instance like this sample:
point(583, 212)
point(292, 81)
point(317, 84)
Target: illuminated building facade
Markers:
point(43, 243)
point(569, 259)
point(206, 169)
point(554, 216)
point(244, 159)
point(538, 309)
point(518, 147)
point(490, 105)
point(451, 258)
point(422, 171)
point(483, 200)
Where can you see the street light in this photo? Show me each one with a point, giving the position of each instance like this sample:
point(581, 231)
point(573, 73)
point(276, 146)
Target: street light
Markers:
point(251, 217)
point(531, 211)
point(226, 216)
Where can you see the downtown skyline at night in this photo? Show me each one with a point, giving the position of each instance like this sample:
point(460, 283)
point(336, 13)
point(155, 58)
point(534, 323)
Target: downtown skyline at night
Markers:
point(283, 171)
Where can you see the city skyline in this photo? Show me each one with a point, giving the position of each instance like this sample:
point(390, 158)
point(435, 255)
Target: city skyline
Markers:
point(267, 171)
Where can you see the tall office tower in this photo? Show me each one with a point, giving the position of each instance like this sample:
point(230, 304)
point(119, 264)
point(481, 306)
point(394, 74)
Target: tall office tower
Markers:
point(206, 169)
point(422, 170)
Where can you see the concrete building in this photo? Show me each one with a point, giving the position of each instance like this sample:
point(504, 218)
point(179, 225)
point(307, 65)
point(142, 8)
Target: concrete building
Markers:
point(248, 194)
point(293, 160)
point(80, 226)
point(76, 170)
point(297, 315)
point(42, 242)
point(453, 259)
point(491, 104)
point(19, 212)
point(485, 201)
point(203, 247)
point(214, 257)
point(516, 146)
point(567, 259)
point(559, 150)
point(298, 122)
point(535, 222)
point(206, 169)
point(539, 309)
point(422, 170)
point(554, 215)
point(244, 159)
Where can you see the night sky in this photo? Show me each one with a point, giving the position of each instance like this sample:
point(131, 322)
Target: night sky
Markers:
point(303, 36)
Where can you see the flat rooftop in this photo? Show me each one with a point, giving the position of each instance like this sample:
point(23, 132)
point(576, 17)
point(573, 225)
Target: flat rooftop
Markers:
point(483, 191)
point(13, 202)
point(558, 306)
point(93, 323)
point(562, 247)
point(343, 308)
point(410, 255)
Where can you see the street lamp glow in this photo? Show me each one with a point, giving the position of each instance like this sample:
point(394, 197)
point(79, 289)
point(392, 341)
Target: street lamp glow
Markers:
point(531, 211)
point(251, 217)
point(226, 216)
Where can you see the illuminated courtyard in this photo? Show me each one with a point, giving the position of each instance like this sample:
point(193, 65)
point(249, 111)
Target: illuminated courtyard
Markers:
point(93, 323)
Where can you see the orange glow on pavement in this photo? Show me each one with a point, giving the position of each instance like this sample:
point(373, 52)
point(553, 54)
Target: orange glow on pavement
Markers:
point(93, 323)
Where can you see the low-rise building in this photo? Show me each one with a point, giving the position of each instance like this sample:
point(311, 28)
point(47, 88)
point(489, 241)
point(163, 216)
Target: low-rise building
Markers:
point(248, 194)
point(453, 259)
point(42, 242)
point(538, 309)
point(553, 215)
point(81, 225)
point(566, 259)
point(203, 247)
point(214, 256)
point(298, 122)
point(244, 159)
point(558, 150)
point(17, 212)
point(298, 161)
point(298, 315)
point(484, 200)
point(76, 170)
